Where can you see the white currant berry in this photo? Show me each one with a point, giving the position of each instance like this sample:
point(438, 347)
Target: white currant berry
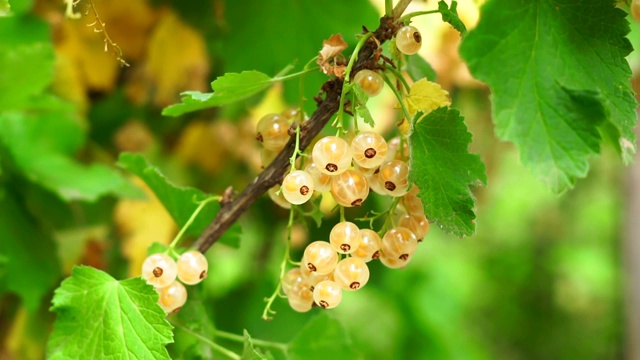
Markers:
point(412, 203)
point(301, 302)
point(350, 188)
point(393, 153)
point(278, 198)
point(192, 267)
point(291, 114)
point(311, 278)
point(351, 273)
point(391, 262)
point(297, 187)
point(320, 257)
point(159, 270)
point(418, 224)
point(292, 280)
point(369, 81)
point(345, 237)
point(408, 40)
point(394, 176)
point(327, 294)
point(369, 149)
point(374, 182)
point(273, 131)
point(399, 243)
point(321, 181)
point(369, 247)
point(172, 297)
point(332, 155)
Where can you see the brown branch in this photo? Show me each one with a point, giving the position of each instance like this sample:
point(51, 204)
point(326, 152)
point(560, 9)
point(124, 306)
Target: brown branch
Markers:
point(327, 107)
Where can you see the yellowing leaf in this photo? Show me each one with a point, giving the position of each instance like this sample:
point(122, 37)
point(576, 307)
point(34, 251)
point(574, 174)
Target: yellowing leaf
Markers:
point(426, 96)
point(177, 60)
point(141, 223)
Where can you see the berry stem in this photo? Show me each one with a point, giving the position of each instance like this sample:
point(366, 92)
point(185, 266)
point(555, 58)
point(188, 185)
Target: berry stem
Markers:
point(399, 76)
point(296, 151)
point(328, 105)
point(355, 113)
point(417, 13)
point(388, 7)
point(283, 268)
point(398, 96)
point(346, 85)
point(259, 342)
point(217, 347)
point(201, 205)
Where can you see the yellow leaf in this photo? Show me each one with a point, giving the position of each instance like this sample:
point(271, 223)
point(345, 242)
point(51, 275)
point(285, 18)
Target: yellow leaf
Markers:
point(177, 60)
point(141, 223)
point(426, 96)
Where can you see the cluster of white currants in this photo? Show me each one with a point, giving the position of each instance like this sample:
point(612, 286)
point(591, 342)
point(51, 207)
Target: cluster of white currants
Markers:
point(348, 170)
point(161, 271)
point(328, 268)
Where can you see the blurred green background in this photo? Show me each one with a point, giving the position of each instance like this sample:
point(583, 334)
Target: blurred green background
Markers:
point(543, 278)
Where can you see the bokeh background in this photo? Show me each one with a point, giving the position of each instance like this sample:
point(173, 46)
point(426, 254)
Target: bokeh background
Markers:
point(545, 277)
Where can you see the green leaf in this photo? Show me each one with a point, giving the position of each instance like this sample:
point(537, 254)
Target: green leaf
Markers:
point(418, 68)
point(549, 64)
point(280, 31)
point(179, 201)
point(450, 15)
point(99, 317)
point(361, 105)
point(41, 140)
point(443, 169)
point(229, 88)
point(323, 337)
point(192, 324)
point(26, 61)
point(249, 352)
point(31, 266)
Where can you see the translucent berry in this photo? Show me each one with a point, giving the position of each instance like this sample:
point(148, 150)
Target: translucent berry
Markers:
point(391, 262)
point(374, 182)
point(369, 149)
point(159, 270)
point(327, 294)
point(412, 203)
point(394, 176)
point(273, 131)
point(369, 81)
point(320, 257)
point(301, 302)
point(291, 114)
point(292, 280)
point(278, 198)
point(311, 278)
point(399, 243)
point(192, 267)
point(408, 40)
point(172, 297)
point(345, 237)
point(321, 181)
point(332, 155)
point(350, 188)
point(351, 273)
point(369, 247)
point(297, 187)
point(418, 224)
point(394, 146)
